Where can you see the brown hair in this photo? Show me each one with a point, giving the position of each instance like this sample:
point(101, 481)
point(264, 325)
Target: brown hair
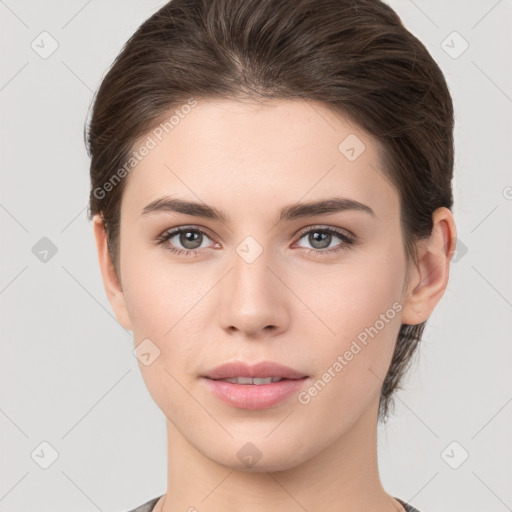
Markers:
point(354, 56)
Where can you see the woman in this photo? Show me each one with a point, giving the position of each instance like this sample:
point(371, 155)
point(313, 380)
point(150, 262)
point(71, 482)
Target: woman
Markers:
point(271, 200)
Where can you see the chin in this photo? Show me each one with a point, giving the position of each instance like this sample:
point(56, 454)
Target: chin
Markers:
point(257, 455)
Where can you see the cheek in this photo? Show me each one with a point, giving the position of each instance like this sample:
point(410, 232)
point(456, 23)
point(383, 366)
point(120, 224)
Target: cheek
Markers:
point(162, 306)
point(352, 363)
point(350, 297)
point(166, 305)
point(157, 293)
point(359, 306)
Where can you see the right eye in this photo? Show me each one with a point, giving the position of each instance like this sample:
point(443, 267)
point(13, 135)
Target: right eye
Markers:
point(190, 238)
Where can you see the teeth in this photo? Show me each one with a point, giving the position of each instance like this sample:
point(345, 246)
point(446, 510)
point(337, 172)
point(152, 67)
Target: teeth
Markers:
point(248, 380)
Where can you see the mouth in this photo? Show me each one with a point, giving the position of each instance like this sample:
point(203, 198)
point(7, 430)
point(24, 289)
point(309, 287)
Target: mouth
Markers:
point(259, 386)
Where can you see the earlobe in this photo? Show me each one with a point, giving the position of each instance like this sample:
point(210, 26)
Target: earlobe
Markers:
point(111, 282)
point(429, 278)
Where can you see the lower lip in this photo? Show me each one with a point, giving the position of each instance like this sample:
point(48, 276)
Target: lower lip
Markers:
point(252, 396)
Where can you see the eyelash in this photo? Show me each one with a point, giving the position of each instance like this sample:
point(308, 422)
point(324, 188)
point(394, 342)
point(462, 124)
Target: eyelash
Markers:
point(346, 239)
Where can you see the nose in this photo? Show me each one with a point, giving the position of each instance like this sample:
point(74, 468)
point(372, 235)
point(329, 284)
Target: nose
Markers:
point(254, 301)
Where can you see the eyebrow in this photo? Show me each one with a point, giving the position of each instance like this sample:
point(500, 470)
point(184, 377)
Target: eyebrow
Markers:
point(290, 212)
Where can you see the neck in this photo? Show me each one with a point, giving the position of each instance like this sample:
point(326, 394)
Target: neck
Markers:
point(342, 477)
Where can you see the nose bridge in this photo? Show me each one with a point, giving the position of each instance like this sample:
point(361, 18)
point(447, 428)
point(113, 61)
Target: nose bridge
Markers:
point(251, 301)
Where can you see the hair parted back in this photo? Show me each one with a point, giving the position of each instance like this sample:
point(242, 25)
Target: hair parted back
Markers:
point(355, 56)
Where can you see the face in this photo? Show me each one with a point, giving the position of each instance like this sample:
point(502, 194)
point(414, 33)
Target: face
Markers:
point(319, 290)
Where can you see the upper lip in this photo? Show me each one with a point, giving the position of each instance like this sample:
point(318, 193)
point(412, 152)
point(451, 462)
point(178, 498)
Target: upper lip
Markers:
point(259, 370)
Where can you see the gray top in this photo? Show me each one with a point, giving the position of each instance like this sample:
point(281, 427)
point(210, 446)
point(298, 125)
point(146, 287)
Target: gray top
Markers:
point(148, 506)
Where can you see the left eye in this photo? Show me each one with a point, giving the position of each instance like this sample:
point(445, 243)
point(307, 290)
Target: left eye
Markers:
point(321, 238)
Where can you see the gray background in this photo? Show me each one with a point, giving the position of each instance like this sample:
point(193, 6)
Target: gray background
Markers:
point(68, 375)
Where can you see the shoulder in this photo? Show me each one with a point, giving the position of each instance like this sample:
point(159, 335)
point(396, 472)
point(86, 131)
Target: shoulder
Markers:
point(146, 507)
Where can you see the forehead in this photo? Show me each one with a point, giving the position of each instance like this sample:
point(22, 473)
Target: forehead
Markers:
point(233, 154)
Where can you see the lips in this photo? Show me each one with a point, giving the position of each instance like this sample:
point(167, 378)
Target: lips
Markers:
point(259, 386)
point(244, 371)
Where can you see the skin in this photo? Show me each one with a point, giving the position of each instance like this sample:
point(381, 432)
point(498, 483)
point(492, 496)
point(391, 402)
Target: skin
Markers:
point(291, 306)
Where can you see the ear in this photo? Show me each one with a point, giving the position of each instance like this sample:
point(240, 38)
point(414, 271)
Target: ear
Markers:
point(429, 278)
point(111, 282)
